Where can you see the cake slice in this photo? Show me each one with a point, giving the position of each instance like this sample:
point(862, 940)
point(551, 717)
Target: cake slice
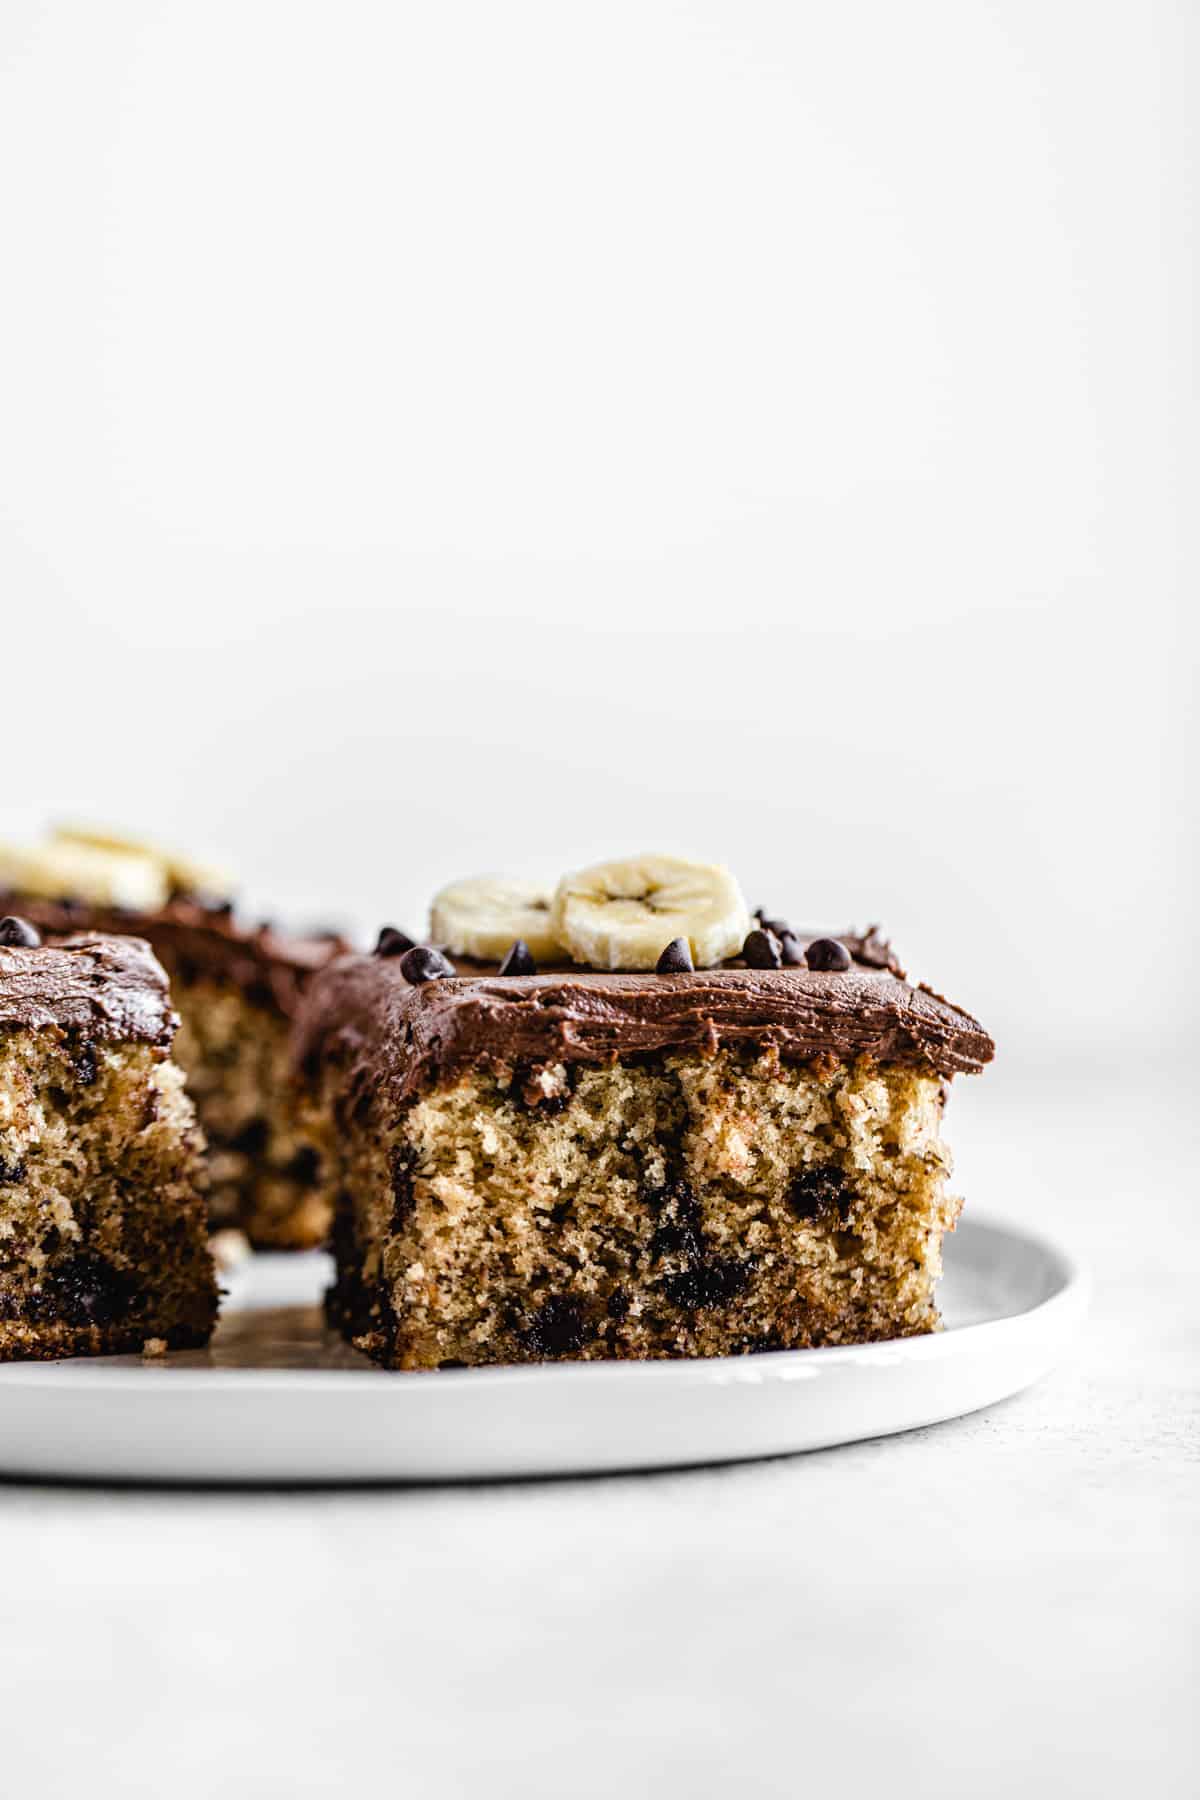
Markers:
point(236, 987)
point(631, 1161)
point(102, 1225)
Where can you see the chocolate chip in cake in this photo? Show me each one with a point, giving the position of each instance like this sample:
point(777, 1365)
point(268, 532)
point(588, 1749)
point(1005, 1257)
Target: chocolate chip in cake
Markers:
point(678, 1229)
point(304, 1167)
point(761, 950)
point(791, 950)
point(518, 961)
point(676, 959)
point(84, 1065)
point(12, 1171)
point(559, 1327)
point(251, 1140)
point(85, 1291)
point(828, 956)
point(19, 934)
point(404, 1199)
point(713, 1283)
point(392, 942)
point(821, 1193)
point(424, 963)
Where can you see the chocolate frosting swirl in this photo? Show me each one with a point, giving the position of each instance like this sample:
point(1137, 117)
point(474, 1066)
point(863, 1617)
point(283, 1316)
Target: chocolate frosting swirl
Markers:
point(100, 987)
point(363, 1014)
point(194, 939)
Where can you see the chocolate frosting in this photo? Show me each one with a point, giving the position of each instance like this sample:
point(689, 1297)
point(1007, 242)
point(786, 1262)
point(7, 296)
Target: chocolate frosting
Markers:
point(196, 939)
point(362, 1013)
point(99, 987)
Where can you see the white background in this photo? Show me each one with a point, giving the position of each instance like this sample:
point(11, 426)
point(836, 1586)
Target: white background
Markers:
point(444, 438)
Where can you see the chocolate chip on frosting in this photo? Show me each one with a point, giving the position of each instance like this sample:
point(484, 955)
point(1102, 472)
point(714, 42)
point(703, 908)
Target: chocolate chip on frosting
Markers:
point(761, 950)
point(391, 942)
point(828, 956)
point(676, 959)
point(791, 949)
point(19, 934)
point(424, 963)
point(518, 961)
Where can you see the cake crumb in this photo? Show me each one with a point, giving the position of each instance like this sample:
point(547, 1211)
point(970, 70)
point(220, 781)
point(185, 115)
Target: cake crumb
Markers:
point(155, 1346)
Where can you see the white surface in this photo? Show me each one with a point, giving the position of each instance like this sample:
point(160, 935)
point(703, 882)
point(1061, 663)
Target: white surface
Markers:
point(1004, 1603)
point(279, 1406)
point(489, 435)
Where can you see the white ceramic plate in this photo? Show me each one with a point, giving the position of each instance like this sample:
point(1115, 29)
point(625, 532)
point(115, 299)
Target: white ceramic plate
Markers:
point(276, 1400)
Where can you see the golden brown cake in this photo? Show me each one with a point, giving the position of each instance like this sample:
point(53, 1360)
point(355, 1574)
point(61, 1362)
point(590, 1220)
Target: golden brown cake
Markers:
point(102, 1223)
point(630, 1161)
point(236, 987)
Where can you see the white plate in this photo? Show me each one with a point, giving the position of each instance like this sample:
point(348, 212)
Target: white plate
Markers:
point(275, 1399)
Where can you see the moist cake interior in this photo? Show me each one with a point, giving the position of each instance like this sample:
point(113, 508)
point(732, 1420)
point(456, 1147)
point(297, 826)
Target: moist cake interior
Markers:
point(102, 1228)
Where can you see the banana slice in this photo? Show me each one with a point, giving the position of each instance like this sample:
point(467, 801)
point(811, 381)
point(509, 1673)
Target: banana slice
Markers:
point(621, 915)
point(66, 871)
point(485, 915)
point(185, 874)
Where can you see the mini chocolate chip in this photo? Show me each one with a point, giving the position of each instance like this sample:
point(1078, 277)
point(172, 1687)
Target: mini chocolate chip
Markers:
point(827, 955)
point(676, 959)
point(777, 926)
point(761, 950)
point(251, 1140)
point(559, 1327)
point(518, 961)
point(713, 1283)
point(391, 942)
point(820, 1192)
point(403, 1164)
point(84, 1291)
point(12, 1171)
point(678, 1222)
point(424, 963)
point(791, 950)
point(304, 1167)
point(85, 1065)
point(19, 934)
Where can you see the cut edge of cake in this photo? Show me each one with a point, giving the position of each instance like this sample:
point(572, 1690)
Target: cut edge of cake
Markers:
point(102, 1223)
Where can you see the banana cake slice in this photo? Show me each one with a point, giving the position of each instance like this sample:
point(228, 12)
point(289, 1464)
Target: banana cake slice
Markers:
point(102, 1227)
point(649, 1158)
point(236, 986)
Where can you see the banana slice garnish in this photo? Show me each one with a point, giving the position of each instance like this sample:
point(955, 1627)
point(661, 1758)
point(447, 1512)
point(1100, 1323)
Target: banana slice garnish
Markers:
point(484, 915)
point(70, 871)
point(622, 915)
point(184, 874)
